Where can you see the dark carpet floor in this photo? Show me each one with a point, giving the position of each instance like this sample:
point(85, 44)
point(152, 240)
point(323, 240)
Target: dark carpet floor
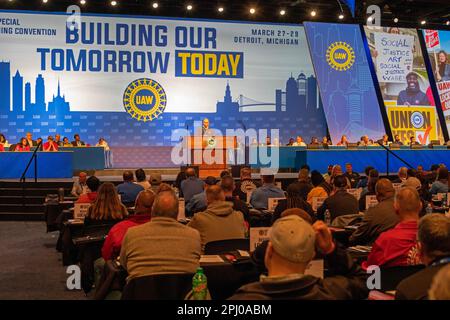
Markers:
point(30, 267)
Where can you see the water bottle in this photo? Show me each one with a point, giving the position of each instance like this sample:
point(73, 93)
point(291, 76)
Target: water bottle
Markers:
point(327, 217)
point(199, 285)
point(429, 209)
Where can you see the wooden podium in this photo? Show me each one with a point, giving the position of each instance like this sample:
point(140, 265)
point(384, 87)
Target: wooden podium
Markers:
point(210, 153)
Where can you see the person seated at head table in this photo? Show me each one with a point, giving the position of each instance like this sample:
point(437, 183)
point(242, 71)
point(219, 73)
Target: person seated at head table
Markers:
point(365, 141)
point(2, 148)
point(93, 183)
point(50, 145)
point(31, 142)
point(77, 142)
point(397, 140)
point(314, 141)
point(384, 140)
point(128, 190)
point(40, 143)
point(287, 259)
point(299, 142)
point(79, 186)
point(343, 141)
point(291, 142)
point(3, 142)
point(102, 143)
point(106, 209)
point(398, 246)
point(22, 145)
point(325, 141)
point(162, 245)
point(413, 141)
point(66, 143)
point(58, 140)
point(142, 214)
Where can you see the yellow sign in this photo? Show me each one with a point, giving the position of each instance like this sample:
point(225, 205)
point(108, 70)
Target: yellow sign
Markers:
point(415, 121)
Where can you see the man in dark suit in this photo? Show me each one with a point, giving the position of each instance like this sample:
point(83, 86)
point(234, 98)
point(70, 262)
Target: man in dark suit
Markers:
point(340, 202)
point(434, 241)
point(78, 142)
point(379, 218)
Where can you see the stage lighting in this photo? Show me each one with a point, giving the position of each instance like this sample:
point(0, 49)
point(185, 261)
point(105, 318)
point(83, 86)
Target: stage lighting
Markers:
point(83, 2)
point(423, 22)
point(313, 13)
point(252, 10)
point(155, 5)
point(448, 23)
point(114, 3)
point(44, 1)
point(189, 7)
point(369, 19)
point(341, 16)
point(220, 9)
point(282, 12)
point(395, 20)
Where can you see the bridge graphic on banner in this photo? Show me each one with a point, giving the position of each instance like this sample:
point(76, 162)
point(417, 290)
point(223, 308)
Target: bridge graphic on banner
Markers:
point(249, 102)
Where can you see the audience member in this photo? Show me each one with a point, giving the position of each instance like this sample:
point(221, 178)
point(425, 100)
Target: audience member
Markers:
point(219, 221)
point(245, 185)
point(402, 175)
point(227, 185)
point(434, 247)
point(106, 209)
point(320, 189)
point(352, 176)
point(93, 183)
point(398, 246)
point(440, 288)
point(260, 196)
point(141, 179)
point(303, 184)
point(162, 245)
point(142, 214)
point(128, 190)
point(340, 201)
point(198, 201)
point(294, 199)
point(379, 218)
point(362, 183)
point(292, 245)
point(181, 176)
point(79, 186)
point(369, 190)
point(441, 183)
point(192, 185)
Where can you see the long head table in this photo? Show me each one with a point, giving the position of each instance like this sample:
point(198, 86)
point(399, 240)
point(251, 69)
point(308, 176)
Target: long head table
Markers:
point(52, 165)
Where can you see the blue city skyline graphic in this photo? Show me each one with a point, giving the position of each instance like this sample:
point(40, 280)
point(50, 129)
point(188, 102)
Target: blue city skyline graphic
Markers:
point(297, 110)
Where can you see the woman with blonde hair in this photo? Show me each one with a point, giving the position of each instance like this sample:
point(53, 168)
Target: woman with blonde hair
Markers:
point(107, 208)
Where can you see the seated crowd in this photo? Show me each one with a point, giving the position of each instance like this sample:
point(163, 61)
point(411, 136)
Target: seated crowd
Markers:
point(399, 228)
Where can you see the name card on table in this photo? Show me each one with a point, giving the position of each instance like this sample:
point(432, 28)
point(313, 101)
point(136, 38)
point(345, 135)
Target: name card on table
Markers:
point(315, 268)
point(272, 203)
point(317, 202)
point(181, 210)
point(80, 210)
point(355, 192)
point(258, 236)
point(371, 201)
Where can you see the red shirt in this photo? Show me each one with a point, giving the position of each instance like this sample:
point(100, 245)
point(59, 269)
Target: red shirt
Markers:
point(19, 147)
point(87, 197)
point(113, 242)
point(395, 247)
point(2, 148)
point(48, 146)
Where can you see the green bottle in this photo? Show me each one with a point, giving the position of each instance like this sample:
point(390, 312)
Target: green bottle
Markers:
point(199, 285)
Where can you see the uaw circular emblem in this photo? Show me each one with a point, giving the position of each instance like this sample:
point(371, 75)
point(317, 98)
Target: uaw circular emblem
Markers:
point(144, 99)
point(340, 56)
point(417, 119)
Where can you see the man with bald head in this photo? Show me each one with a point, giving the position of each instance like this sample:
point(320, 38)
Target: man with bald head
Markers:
point(219, 221)
point(398, 246)
point(191, 185)
point(402, 175)
point(379, 218)
point(142, 214)
point(79, 186)
point(129, 190)
point(162, 245)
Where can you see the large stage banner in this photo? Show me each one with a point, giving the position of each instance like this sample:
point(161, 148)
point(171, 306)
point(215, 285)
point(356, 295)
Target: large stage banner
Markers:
point(438, 46)
point(404, 83)
point(133, 80)
point(346, 86)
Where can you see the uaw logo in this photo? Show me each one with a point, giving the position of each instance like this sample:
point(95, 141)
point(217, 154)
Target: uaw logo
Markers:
point(417, 120)
point(340, 56)
point(144, 99)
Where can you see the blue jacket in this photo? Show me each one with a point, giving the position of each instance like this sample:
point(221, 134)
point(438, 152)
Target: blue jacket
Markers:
point(129, 191)
point(190, 187)
point(261, 195)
